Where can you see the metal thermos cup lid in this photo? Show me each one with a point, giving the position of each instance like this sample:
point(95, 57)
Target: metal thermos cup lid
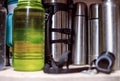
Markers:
point(81, 8)
point(94, 11)
point(55, 1)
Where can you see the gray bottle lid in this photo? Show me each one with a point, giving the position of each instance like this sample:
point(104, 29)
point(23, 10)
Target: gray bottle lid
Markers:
point(80, 9)
point(94, 11)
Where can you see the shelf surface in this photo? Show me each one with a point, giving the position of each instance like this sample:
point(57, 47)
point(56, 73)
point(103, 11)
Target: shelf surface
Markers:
point(10, 75)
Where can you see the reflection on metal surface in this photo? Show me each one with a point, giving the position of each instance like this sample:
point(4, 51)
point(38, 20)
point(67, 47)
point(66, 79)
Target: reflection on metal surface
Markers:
point(80, 34)
point(109, 15)
point(94, 32)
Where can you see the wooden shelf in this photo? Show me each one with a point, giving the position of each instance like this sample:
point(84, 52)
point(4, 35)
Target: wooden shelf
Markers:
point(10, 75)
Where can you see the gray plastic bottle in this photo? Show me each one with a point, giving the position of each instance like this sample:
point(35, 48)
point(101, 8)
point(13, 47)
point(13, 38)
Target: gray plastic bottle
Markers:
point(109, 15)
point(3, 13)
point(94, 32)
point(79, 51)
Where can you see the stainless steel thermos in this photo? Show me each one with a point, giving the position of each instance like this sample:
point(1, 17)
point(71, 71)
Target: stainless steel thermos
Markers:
point(79, 51)
point(108, 30)
point(59, 21)
point(93, 32)
point(57, 36)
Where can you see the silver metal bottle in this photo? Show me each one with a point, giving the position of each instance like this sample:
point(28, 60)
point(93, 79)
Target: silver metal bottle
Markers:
point(59, 21)
point(93, 32)
point(79, 50)
point(109, 15)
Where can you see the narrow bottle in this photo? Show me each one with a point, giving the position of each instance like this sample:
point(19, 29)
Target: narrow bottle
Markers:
point(94, 32)
point(79, 51)
point(28, 36)
point(3, 13)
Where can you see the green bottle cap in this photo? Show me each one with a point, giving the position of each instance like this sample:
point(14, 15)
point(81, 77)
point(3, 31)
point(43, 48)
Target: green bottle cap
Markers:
point(12, 1)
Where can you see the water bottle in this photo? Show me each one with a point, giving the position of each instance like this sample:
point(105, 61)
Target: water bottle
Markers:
point(79, 51)
point(58, 28)
point(28, 36)
point(3, 13)
point(109, 16)
point(11, 5)
point(94, 26)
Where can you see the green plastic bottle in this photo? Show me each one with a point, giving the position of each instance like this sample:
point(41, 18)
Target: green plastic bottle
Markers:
point(28, 36)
